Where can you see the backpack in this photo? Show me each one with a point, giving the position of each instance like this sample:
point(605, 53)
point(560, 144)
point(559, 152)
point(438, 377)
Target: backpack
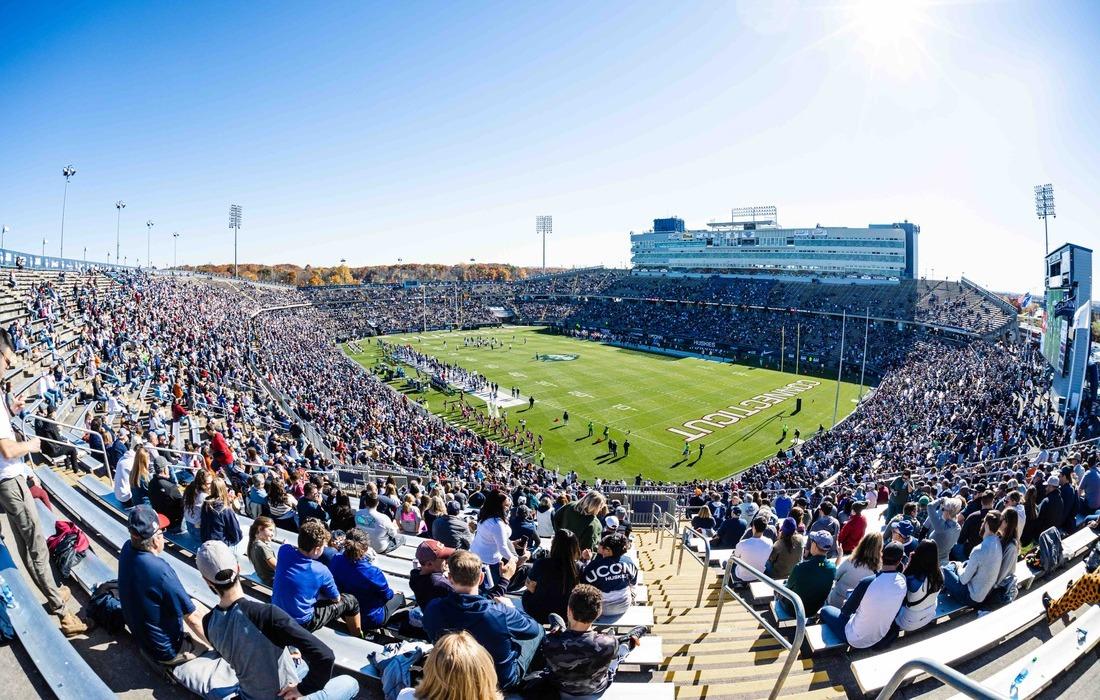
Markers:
point(1051, 556)
point(1009, 589)
point(105, 607)
point(1092, 563)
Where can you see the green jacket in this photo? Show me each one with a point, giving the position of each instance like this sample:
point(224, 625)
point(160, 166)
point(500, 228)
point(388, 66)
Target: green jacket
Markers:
point(587, 528)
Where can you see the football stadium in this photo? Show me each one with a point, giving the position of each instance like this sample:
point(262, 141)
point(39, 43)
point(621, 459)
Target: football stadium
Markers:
point(307, 396)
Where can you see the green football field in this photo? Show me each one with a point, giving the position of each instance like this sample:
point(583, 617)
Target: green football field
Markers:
point(646, 398)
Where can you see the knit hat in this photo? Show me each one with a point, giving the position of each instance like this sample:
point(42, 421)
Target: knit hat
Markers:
point(788, 526)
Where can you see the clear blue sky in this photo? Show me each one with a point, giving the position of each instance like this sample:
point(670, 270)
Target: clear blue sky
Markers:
point(435, 132)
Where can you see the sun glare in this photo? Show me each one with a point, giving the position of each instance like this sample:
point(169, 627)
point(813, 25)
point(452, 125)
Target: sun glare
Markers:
point(889, 33)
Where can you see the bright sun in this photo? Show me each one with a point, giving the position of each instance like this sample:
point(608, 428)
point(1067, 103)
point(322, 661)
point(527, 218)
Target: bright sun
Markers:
point(889, 32)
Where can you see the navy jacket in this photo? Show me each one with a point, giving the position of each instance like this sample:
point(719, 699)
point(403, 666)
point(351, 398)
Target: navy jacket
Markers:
point(494, 626)
point(219, 523)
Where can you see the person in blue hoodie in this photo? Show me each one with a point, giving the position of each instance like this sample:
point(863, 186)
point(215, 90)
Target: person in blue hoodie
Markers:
point(511, 637)
point(355, 573)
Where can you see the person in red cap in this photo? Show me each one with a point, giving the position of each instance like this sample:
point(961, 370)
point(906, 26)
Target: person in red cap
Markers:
point(429, 581)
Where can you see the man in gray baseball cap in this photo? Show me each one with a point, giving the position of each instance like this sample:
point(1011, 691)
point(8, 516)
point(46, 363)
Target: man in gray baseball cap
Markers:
point(257, 640)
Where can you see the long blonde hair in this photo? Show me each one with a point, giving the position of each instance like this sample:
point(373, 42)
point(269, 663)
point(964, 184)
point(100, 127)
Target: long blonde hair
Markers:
point(458, 668)
point(869, 551)
point(592, 503)
point(141, 468)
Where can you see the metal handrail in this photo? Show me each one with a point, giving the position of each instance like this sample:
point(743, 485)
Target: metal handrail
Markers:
point(792, 647)
point(685, 544)
point(83, 448)
point(942, 672)
point(672, 525)
point(657, 513)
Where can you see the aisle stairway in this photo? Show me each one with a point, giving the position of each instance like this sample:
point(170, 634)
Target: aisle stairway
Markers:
point(740, 660)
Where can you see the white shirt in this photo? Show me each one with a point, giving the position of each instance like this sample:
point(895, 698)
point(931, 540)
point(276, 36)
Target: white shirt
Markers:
point(491, 541)
point(122, 476)
point(755, 551)
point(9, 468)
point(847, 576)
point(876, 612)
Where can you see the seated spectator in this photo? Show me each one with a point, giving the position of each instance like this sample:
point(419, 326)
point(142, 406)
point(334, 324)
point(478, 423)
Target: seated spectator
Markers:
point(903, 535)
point(825, 521)
point(253, 639)
point(140, 476)
point(154, 604)
point(731, 531)
point(970, 534)
point(1068, 493)
point(54, 444)
point(257, 496)
point(923, 582)
point(851, 533)
point(612, 575)
point(123, 464)
point(867, 618)
point(524, 536)
point(582, 661)
point(544, 518)
point(755, 550)
point(194, 496)
point(943, 525)
point(428, 580)
point(1051, 507)
point(1010, 549)
point(703, 522)
point(355, 573)
point(304, 587)
point(787, 550)
point(971, 583)
point(865, 561)
point(37, 492)
point(511, 637)
point(282, 507)
point(409, 519)
point(452, 529)
point(813, 578)
point(1090, 489)
point(218, 521)
point(310, 505)
point(458, 668)
point(261, 548)
point(384, 537)
point(552, 578)
point(166, 498)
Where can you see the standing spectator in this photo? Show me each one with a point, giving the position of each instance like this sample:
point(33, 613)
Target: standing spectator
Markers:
point(865, 561)
point(782, 505)
point(551, 579)
point(458, 668)
point(384, 537)
point(220, 452)
point(1090, 488)
point(582, 661)
point(943, 525)
point(851, 533)
point(787, 550)
point(304, 587)
point(613, 575)
point(355, 573)
point(511, 637)
point(972, 583)
point(754, 549)
point(17, 503)
point(899, 495)
point(867, 618)
point(261, 550)
point(253, 639)
point(812, 579)
point(923, 582)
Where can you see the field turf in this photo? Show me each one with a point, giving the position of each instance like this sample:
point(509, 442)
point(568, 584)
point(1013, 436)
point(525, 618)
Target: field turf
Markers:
point(627, 390)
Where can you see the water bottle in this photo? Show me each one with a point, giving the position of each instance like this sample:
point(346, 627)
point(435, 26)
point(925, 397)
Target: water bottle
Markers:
point(1014, 692)
point(6, 594)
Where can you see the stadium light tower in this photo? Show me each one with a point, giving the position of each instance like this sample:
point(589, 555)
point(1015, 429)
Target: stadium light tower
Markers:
point(235, 224)
point(120, 205)
point(1044, 208)
point(68, 171)
point(148, 244)
point(544, 226)
point(44, 242)
point(3, 232)
point(175, 240)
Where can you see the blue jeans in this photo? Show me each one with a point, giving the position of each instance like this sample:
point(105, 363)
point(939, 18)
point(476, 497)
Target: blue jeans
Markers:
point(955, 588)
point(337, 688)
point(527, 650)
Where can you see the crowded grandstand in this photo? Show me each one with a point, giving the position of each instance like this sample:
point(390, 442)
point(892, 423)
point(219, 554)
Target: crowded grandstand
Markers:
point(197, 474)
